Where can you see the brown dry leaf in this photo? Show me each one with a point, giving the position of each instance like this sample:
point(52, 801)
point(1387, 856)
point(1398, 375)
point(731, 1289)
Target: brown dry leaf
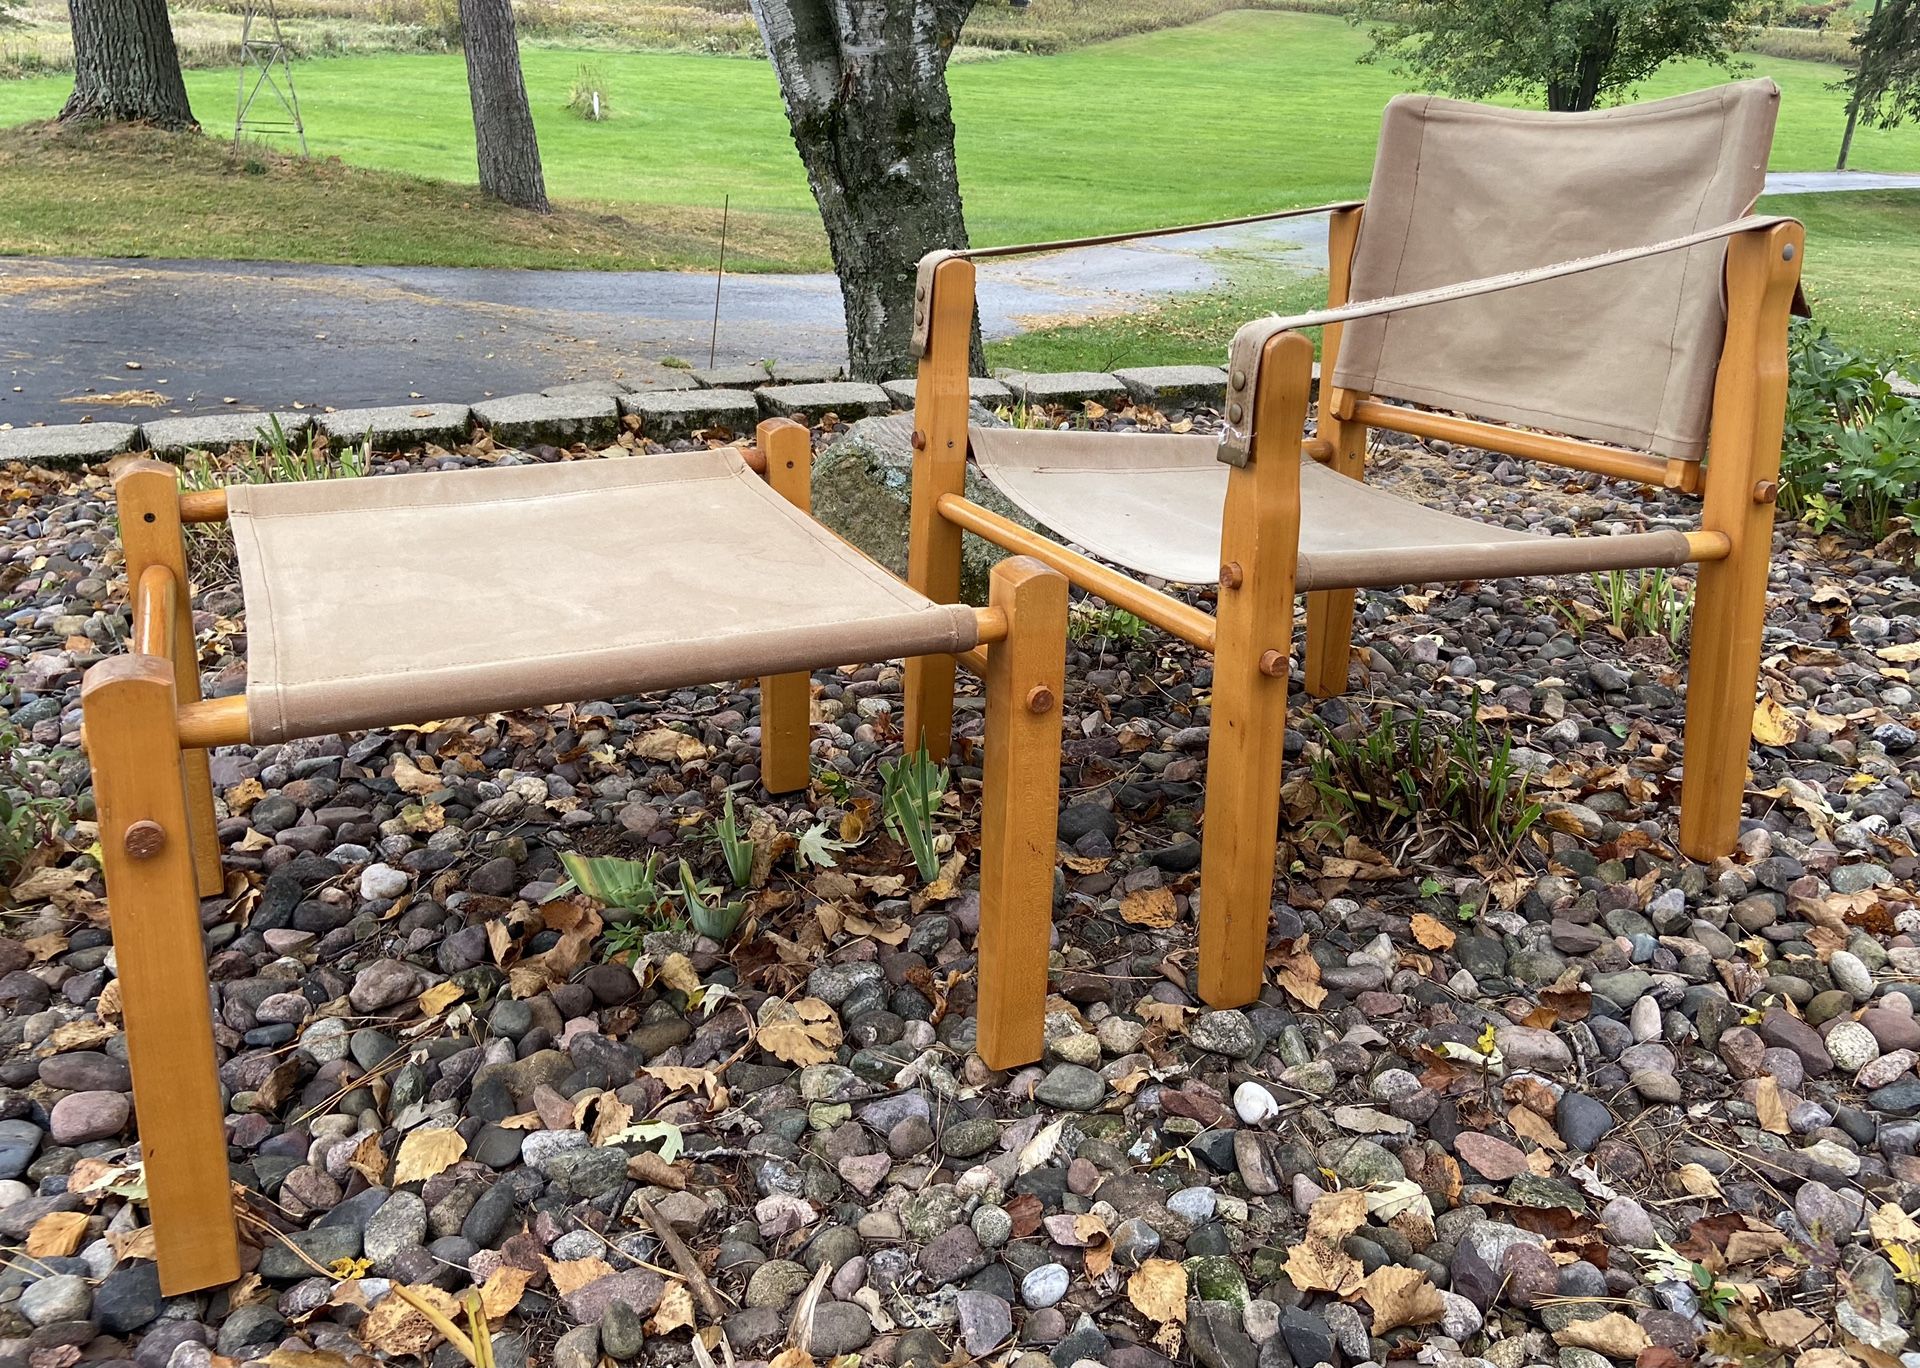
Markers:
point(132, 1244)
point(946, 883)
point(802, 1033)
point(502, 1290)
point(1614, 1334)
point(570, 1275)
point(678, 973)
point(1168, 1016)
point(396, 1328)
point(792, 1358)
point(425, 1153)
point(1317, 1263)
point(608, 1117)
point(1158, 1291)
point(440, 997)
point(1296, 971)
point(1401, 1296)
point(1909, 654)
point(1826, 1358)
point(646, 1166)
point(305, 1358)
point(675, 1311)
point(57, 1234)
point(369, 1160)
point(1150, 907)
point(666, 744)
point(1433, 933)
point(1529, 1123)
point(78, 1035)
point(1773, 725)
point(1788, 1328)
point(1698, 1182)
point(1771, 1109)
point(412, 779)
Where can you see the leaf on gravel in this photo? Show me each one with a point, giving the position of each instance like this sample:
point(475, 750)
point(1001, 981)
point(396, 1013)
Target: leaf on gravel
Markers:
point(395, 1327)
point(674, 1312)
point(440, 997)
point(1908, 654)
point(678, 973)
point(369, 1160)
point(133, 1244)
point(1150, 907)
point(1535, 1127)
point(1767, 1104)
point(57, 1234)
point(1158, 1291)
point(570, 1275)
point(1039, 1150)
point(1773, 725)
point(666, 744)
point(1890, 1225)
point(1698, 1182)
point(802, 1033)
point(427, 1153)
point(1615, 1335)
point(1318, 1263)
point(1433, 933)
point(412, 779)
point(1297, 971)
point(605, 1117)
point(1401, 1296)
point(1788, 1328)
point(1168, 1016)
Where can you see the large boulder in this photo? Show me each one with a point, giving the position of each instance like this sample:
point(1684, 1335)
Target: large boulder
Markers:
point(863, 489)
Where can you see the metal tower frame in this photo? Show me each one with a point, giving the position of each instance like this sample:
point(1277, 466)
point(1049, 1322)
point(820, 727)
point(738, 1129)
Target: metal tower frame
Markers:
point(262, 54)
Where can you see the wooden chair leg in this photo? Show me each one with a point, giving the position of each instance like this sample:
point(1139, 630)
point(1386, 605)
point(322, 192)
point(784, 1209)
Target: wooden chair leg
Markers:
point(1259, 544)
point(1730, 597)
point(786, 702)
point(1026, 674)
point(147, 494)
point(940, 408)
point(140, 792)
point(1329, 641)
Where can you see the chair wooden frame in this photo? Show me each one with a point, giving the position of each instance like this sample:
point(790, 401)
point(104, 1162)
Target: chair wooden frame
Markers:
point(1251, 636)
point(147, 731)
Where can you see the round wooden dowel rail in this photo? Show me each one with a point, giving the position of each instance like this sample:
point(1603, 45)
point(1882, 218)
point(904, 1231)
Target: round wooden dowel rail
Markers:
point(155, 609)
point(203, 506)
point(1570, 452)
point(214, 722)
point(1168, 614)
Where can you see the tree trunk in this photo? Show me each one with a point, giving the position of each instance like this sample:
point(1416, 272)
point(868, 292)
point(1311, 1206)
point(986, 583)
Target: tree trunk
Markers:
point(125, 66)
point(865, 85)
point(502, 124)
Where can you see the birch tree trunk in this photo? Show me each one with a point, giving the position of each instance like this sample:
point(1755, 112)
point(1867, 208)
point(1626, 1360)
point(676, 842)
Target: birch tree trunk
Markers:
point(865, 85)
point(125, 66)
point(502, 123)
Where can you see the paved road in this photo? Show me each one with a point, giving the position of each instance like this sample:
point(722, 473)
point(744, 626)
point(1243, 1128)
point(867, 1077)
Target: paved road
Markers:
point(271, 334)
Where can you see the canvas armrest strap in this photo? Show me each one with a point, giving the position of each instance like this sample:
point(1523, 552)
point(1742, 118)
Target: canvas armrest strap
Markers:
point(1243, 357)
point(923, 283)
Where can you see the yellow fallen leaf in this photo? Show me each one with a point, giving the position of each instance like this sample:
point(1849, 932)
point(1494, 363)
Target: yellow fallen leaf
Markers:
point(412, 779)
point(674, 1312)
point(1318, 1263)
point(440, 997)
point(670, 746)
point(1158, 1291)
point(570, 1275)
point(369, 1160)
point(1699, 1182)
point(1151, 907)
point(1433, 933)
point(1890, 1225)
point(1614, 1334)
point(1773, 725)
point(1401, 1296)
point(1907, 654)
point(802, 1033)
point(57, 1234)
point(677, 972)
point(1769, 1106)
point(395, 1327)
point(1168, 1016)
point(425, 1153)
point(502, 1290)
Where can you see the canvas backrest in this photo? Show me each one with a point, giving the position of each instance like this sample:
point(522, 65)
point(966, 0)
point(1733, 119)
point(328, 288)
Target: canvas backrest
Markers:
point(1623, 355)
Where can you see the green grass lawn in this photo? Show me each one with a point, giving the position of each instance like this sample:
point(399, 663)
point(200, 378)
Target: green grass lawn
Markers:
point(1238, 113)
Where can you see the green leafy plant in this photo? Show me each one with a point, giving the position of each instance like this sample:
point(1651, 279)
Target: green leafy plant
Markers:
point(1641, 603)
point(1667, 1265)
point(1416, 782)
point(710, 916)
point(739, 851)
point(1851, 451)
point(611, 879)
point(28, 818)
point(910, 794)
point(622, 942)
point(1095, 621)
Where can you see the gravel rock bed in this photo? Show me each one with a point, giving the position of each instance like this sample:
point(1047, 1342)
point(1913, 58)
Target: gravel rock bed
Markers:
point(1610, 1106)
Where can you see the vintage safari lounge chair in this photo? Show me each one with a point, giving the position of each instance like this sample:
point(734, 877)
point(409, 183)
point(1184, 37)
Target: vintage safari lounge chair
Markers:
point(1584, 290)
point(379, 601)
